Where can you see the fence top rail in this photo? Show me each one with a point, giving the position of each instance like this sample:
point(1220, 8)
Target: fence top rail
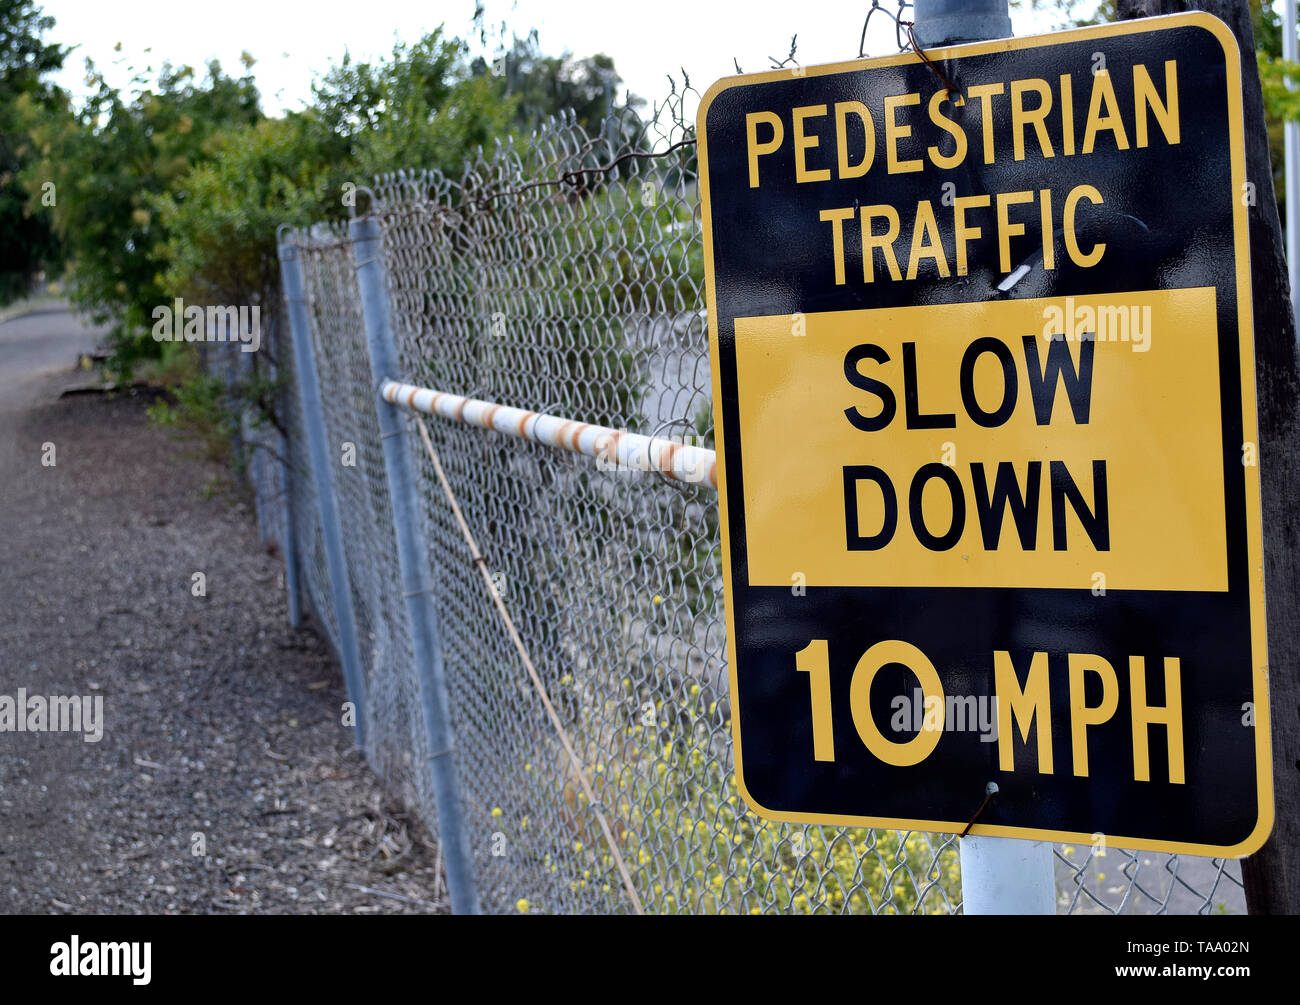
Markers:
point(613, 448)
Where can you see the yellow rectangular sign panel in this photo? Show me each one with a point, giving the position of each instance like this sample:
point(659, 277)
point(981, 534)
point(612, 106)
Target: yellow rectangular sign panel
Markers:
point(1043, 451)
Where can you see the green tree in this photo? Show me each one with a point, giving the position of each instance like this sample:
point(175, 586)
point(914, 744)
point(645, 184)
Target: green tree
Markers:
point(425, 106)
point(422, 108)
point(1281, 104)
point(109, 159)
point(27, 241)
point(174, 185)
point(542, 86)
point(221, 217)
point(418, 108)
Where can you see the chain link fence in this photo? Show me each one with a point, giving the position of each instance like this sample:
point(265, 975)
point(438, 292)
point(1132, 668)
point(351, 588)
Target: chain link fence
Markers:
point(565, 275)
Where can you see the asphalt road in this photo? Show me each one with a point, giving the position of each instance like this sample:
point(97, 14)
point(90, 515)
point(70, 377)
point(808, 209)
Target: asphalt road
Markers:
point(37, 354)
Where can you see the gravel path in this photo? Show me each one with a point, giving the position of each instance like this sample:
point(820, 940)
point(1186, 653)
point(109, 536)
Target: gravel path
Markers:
point(224, 781)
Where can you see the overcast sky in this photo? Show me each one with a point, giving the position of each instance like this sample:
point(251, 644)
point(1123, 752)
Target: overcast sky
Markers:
point(293, 40)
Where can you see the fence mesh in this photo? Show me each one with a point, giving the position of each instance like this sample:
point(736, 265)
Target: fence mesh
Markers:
point(546, 279)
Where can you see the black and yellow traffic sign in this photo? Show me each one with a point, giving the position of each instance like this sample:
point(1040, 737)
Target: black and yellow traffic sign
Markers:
point(984, 392)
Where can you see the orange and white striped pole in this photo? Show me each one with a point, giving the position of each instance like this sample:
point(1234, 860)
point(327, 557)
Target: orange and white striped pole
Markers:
point(612, 447)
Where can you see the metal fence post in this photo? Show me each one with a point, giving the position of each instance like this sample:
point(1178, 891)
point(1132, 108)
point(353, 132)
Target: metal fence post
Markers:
point(284, 477)
point(314, 426)
point(245, 370)
point(417, 580)
point(998, 875)
point(290, 543)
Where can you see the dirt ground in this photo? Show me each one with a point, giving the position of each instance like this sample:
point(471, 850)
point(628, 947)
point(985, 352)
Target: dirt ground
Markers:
point(225, 781)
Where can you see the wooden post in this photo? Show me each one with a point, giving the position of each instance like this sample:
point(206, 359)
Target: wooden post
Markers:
point(1272, 875)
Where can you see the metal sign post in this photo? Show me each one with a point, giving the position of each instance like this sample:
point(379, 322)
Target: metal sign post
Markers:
point(947, 22)
point(998, 875)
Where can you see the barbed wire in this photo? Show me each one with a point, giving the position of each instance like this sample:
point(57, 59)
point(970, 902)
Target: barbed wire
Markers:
point(789, 60)
point(576, 177)
point(899, 23)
